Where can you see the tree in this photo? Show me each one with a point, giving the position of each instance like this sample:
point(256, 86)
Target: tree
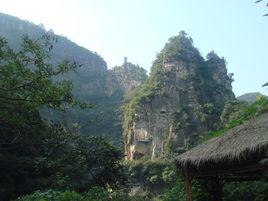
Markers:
point(36, 154)
point(101, 161)
point(27, 85)
point(27, 79)
point(258, 1)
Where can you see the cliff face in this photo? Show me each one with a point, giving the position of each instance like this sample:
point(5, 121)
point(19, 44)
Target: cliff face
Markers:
point(182, 99)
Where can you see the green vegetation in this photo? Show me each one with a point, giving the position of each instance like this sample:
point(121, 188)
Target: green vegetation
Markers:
point(239, 191)
point(235, 113)
point(90, 82)
point(94, 194)
point(36, 154)
point(246, 191)
point(250, 97)
point(129, 71)
point(158, 174)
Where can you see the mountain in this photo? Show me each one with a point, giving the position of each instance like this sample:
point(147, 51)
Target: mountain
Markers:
point(250, 97)
point(93, 82)
point(182, 99)
point(129, 76)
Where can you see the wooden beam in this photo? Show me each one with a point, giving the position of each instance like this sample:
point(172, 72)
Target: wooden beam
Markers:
point(216, 189)
point(242, 170)
point(188, 186)
point(232, 178)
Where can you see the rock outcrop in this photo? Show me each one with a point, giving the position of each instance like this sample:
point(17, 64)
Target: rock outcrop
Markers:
point(129, 76)
point(182, 98)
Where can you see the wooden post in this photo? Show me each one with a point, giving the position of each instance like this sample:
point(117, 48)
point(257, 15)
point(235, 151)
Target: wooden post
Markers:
point(216, 189)
point(188, 186)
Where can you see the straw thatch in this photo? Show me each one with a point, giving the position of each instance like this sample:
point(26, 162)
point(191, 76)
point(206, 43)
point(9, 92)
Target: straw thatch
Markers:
point(237, 144)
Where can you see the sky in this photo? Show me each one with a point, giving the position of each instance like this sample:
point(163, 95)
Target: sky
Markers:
point(138, 29)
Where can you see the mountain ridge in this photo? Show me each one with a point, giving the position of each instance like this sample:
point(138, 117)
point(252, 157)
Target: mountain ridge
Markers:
point(93, 82)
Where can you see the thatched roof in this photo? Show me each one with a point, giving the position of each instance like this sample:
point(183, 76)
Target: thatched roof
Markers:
point(236, 144)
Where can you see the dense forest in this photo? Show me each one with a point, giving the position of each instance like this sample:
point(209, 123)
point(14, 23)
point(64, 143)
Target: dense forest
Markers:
point(65, 119)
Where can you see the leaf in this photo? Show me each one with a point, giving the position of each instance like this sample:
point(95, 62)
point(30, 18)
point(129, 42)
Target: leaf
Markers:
point(266, 84)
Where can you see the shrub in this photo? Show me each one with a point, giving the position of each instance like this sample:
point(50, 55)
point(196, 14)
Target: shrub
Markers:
point(52, 195)
point(94, 194)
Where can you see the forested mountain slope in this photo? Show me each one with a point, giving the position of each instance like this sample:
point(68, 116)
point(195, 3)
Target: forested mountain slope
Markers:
point(93, 82)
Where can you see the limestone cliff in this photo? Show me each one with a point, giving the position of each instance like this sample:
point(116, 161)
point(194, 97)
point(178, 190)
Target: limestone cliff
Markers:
point(182, 99)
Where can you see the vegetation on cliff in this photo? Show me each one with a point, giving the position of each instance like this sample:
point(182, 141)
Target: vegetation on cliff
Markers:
point(194, 90)
point(129, 76)
point(236, 112)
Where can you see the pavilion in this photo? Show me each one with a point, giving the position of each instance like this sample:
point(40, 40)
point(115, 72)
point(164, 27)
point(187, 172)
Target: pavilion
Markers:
point(239, 154)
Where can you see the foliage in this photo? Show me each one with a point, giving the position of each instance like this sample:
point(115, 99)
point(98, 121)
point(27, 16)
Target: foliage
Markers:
point(94, 194)
point(200, 191)
point(176, 193)
point(245, 191)
point(240, 191)
point(154, 176)
point(26, 80)
point(102, 161)
point(180, 48)
point(61, 161)
point(35, 154)
point(232, 111)
point(235, 113)
point(250, 97)
point(51, 195)
point(258, 1)
point(129, 72)
point(25, 86)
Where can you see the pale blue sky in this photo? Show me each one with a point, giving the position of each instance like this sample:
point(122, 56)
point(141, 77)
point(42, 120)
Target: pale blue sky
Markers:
point(138, 29)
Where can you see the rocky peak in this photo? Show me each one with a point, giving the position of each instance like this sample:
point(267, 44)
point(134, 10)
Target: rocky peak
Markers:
point(218, 70)
point(128, 76)
point(182, 99)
